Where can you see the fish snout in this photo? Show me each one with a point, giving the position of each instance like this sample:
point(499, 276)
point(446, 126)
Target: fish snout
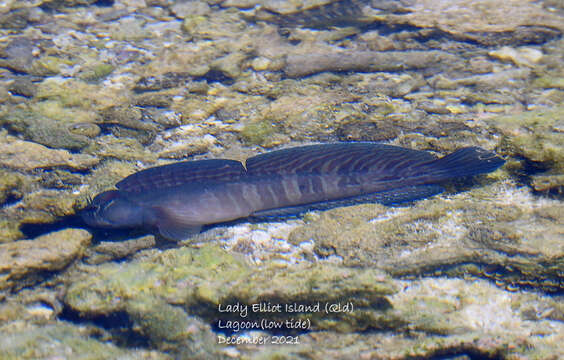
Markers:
point(111, 210)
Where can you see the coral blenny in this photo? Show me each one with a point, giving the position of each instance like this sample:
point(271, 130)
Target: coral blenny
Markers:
point(178, 199)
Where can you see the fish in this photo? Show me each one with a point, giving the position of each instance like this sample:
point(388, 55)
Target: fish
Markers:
point(178, 199)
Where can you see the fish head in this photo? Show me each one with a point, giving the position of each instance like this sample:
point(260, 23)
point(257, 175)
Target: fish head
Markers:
point(111, 209)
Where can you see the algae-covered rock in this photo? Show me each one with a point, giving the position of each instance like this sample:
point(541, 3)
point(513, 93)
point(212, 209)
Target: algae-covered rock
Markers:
point(440, 314)
point(10, 185)
point(462, 316)
point(535, 135)
point(96, 72)
point(510, 244)
point(53, 340)
point(27, 155)
point(538, 137)
point(301, 113)
point(25, 262)
point(170, 328)
point(43, 206)
point(86, 129)
point(159, 290)
point(127, 116)
point(259, 133)
point(110, 250)
point(71, 100)
point(9, 229)
point(18, 54)
point(48, 65)
point(486, 21)
point(457, 307)
point(119, 148)
point(163, 81)
point(203, 280)
point(298, 65)
point(43, 130)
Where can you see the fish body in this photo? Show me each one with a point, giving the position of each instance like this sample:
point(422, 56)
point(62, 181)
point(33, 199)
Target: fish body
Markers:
point(178, 199)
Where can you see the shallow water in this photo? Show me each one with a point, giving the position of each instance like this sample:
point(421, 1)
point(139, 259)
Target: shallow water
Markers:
point(91, 92)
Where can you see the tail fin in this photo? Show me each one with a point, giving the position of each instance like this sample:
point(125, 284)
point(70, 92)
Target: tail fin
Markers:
point(467, 161)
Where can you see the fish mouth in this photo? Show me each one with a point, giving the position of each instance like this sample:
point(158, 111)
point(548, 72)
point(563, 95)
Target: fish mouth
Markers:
point(91, 216)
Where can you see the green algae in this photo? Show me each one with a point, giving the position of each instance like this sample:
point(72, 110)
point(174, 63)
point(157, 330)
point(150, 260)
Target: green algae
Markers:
point(42, 129)
point(11, 184)
point(549, 81)
point(534, 135)
point(96, 72)
point(24, 262)
point(77, 93)
point(127, 116)
point(258, 133)
point(49, 65)
point(127, 149)
point(9, 230)
point(52, 340)
point(160, 321)
point(58, 111)
point(452, 238)
point(537, 137)
point(68, 93)
point(170, 328)
point(172, 274)
point(87, 129)
point(115, 250)
point(202, 279)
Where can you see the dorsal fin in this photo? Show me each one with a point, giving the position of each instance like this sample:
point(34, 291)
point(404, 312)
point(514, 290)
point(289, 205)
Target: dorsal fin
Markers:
point(171, 175)
point(336, 158)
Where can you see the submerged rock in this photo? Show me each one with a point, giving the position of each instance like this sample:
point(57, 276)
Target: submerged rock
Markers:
point(25, 262)
point(307, 64)
point(537, 137)
point(201, 281)
point(44, 130)
point(512, 245)
point(110, 250)
point(27, 155)
point(159, 290)
point(486, 22)
point(10, 185)
point(52, 340)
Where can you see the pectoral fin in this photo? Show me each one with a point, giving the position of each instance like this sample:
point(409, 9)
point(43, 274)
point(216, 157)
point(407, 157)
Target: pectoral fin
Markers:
point(171, 225)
